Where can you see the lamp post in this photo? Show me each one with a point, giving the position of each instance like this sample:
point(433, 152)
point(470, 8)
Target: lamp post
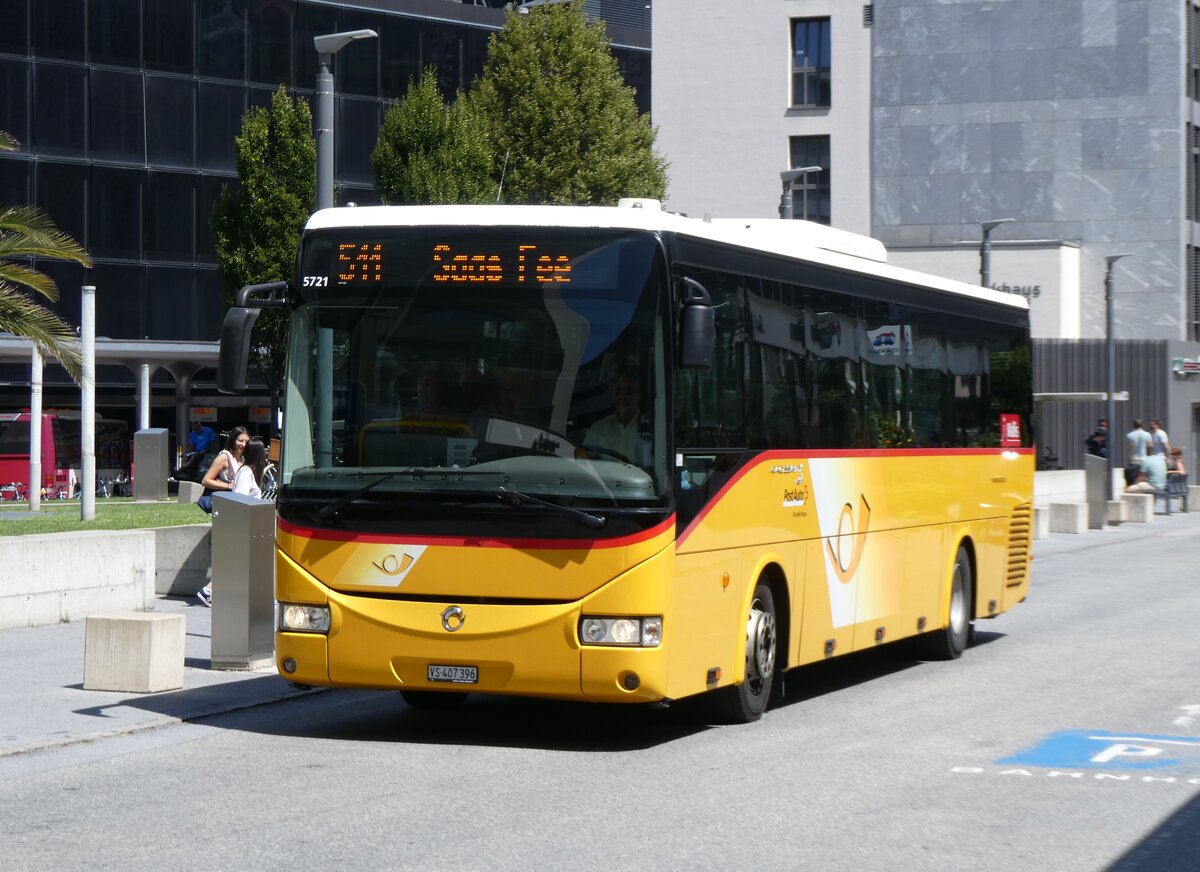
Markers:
point(1110, 370)
point(327, 46)
point(788, 177)
point(985, 249)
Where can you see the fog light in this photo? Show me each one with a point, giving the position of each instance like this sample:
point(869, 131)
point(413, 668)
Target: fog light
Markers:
point(297, 618)
point(289, 665)
point(631, 681)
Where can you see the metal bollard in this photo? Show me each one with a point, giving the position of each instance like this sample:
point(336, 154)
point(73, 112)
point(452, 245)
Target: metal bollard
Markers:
point(243, 579)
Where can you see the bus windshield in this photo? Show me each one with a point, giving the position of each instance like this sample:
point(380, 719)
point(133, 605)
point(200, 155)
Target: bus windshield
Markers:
point(443, 362)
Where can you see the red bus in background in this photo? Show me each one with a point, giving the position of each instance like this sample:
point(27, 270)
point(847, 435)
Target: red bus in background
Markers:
point(61, 453)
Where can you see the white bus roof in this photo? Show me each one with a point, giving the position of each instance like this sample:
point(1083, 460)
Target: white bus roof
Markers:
point(804, 240)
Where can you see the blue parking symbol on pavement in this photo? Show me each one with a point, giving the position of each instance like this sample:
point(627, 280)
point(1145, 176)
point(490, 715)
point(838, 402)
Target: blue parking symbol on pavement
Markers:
point(1097, 749)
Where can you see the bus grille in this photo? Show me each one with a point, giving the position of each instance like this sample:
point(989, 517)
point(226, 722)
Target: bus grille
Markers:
point(1020, 540)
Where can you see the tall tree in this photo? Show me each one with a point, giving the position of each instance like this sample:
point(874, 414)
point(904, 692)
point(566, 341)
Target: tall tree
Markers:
point(429, 152)
point(257, 225)
point(564, 125)
point(26, 232)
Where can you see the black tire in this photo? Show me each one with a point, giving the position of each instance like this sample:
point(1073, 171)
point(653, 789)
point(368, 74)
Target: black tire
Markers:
point(949, 642)
point(746, 702)
point(433, 699)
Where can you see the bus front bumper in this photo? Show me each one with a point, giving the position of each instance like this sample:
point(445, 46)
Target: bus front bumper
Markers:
point(526, 650)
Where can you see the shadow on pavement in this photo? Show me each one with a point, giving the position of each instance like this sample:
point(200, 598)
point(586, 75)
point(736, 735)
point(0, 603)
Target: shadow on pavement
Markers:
point(1173, 847)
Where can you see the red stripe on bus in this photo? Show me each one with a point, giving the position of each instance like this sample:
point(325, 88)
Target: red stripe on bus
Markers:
point(825, 453)
point(478, 541)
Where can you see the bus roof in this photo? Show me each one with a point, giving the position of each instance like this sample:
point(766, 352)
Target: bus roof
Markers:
point(803, 240)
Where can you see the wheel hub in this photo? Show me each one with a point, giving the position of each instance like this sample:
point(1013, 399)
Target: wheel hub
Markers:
point(760, 644)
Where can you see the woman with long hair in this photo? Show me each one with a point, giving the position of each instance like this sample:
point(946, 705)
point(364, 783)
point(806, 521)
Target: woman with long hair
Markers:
point(248, 479)
point(220, 477)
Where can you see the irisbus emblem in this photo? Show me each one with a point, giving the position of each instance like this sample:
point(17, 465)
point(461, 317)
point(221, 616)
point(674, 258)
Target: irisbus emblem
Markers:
point(453, 619)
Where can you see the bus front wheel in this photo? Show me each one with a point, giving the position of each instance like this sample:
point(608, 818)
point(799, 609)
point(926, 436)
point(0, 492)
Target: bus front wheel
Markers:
point(949, 642)
point(433, 699)
point(746, 702)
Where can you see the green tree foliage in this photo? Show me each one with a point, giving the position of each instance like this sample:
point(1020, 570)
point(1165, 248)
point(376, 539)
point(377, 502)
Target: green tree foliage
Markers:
point(564, 126)
point(429, 152)
point(27, 232)
point(257, 226)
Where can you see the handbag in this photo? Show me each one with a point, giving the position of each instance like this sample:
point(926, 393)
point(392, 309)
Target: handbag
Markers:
point(205, 501)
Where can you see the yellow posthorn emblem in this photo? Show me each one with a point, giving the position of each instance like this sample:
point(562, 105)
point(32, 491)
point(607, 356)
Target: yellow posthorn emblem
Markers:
point(845, 571)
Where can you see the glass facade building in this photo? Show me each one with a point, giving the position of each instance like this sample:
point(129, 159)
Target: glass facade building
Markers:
point(126, 113)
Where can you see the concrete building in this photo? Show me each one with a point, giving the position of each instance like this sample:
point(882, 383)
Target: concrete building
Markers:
point(1077, 119)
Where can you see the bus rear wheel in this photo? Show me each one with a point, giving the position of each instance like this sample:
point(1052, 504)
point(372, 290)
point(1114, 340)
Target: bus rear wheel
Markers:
point(949, 642)
point(746, 702)
point(433, 699)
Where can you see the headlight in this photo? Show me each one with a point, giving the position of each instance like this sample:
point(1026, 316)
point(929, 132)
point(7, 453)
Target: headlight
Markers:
point(297, 618)
point(622, 632)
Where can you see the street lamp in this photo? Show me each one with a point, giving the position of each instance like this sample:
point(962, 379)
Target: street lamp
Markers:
point(985, 250)
point(789, 177)
point(327, 46)
point(1110, 369)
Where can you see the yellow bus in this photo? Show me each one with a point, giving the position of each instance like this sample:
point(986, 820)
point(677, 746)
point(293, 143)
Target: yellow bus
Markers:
point(620, 455)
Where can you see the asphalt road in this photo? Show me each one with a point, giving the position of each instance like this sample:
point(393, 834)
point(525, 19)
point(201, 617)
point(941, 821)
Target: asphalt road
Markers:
point(1067, 738)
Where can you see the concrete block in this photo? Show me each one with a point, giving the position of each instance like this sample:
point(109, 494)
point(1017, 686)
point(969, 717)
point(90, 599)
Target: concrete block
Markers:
point(190, 491)
point(1140, 506)
point(1193, 497)
point(1068, 517)
point(62, 577)
point(182, 559)
point(1118, 512)
point(134, 652)
point(1041, 522)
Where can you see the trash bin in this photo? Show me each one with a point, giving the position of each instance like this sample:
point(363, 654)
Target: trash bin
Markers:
point(1095, 470)
point(151, 464)
point(243, 573)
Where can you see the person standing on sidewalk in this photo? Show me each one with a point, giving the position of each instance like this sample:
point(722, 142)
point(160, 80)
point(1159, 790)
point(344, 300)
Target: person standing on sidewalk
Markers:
point(1137, 446)
point(220, 477)
point(248, 479)
point(1159, 443)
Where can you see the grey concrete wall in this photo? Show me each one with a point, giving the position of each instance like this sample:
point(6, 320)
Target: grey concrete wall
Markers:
point(183, 559)
point(67, 576)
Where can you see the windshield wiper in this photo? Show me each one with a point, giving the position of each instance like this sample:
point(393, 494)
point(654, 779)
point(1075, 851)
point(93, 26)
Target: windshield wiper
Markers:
point(331, 511)
point(513, 498)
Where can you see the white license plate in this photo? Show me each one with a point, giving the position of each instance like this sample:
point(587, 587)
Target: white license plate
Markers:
point(453, 674)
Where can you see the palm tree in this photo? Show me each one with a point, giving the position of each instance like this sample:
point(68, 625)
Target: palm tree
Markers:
point(25, 232)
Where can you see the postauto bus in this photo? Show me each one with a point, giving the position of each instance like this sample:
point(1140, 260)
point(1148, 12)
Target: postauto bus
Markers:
point(620, 455)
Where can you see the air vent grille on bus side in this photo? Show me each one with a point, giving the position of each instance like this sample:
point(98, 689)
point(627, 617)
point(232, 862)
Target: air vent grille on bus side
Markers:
point(1020, 541)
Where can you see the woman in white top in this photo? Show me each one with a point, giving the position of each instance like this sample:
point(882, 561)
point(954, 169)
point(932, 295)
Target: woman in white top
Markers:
point(220, 477)
point(224, 468)
point(248, 479)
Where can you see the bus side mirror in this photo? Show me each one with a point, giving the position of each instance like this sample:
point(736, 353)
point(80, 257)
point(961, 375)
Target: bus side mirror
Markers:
point(697, 326)
point(237, 329)
point(235, 349)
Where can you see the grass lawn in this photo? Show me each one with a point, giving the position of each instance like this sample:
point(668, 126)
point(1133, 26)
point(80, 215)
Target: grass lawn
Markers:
point(113, 513)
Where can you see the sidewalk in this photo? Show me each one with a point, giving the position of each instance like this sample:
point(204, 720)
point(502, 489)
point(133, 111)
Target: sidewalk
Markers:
point(43, 703)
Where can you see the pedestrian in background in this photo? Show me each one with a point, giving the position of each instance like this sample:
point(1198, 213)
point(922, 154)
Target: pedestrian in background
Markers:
point(248, 479)
point(1097, 443)
point(1137, 446)
point(220, 477)
point(1159, 443)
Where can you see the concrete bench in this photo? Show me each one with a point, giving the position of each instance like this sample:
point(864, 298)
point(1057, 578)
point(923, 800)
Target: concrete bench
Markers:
point(1068, 517)
point(1041, 522)
point(134, 652)
point(190, 491)
point(1141, 507)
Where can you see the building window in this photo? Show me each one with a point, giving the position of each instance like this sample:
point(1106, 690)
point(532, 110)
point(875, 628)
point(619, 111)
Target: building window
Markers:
point(1193, 173)
point(1193, 51)
point(810, 192)
point(1193, 292)
point(810, 62)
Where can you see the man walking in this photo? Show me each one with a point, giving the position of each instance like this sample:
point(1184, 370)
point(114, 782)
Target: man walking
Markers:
point(1137, 446)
